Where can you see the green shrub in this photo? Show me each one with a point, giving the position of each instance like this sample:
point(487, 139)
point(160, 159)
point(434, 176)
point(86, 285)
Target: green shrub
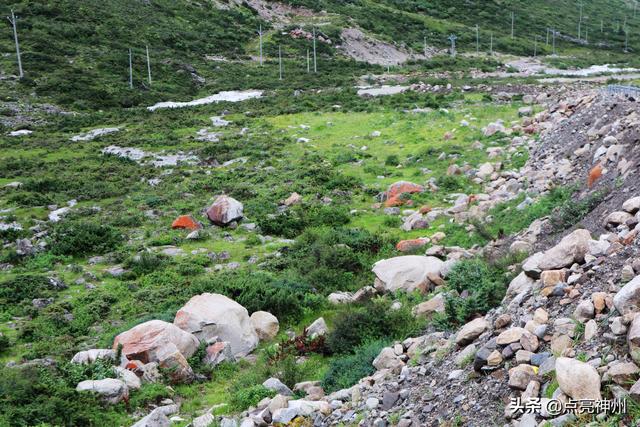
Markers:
point(257, 290)
point(295, 220)
point(23, 288)
point(392, 160)
point(243, 398)
point(373, 321)
point(346, 371)
point(5, 344)
point(81, 238)
point(485, 284)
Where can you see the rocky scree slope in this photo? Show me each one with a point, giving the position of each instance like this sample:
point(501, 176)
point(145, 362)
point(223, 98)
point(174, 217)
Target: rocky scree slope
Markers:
point(568, 327)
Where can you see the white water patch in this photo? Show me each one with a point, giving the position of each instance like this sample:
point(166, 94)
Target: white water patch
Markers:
point(156, 159)
point(228, 96)
point(21, 132)
point(591, 71)
point(93, 134)
point(381, 90)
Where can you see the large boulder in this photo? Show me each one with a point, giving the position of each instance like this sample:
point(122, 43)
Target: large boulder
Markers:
point(265, 324)
point(225, 210)
point(577, 379)
point(150, 341)
point(109, 389)
point(633, 338)
point(628, 298)
point(407, 273)
point(571, 249)
point(212, 317)
point(90, 356)
point(397, 189)
point(471, 331)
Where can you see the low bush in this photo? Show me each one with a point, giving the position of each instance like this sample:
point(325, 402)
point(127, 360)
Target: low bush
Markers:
point(83, 238)
point(373, 321)
point(243, 398)
point(483, 284)
point(23, 288)
point(346, 371)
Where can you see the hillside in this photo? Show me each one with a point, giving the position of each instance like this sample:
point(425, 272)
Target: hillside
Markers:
point(399, 239)
point(76, 54)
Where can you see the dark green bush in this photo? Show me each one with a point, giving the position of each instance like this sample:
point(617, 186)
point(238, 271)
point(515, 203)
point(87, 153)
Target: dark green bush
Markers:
point(373, 321)
point(23, 288)
point(249, 396)
point(346, 371)
point(82, 238)
point(256, 290)
point(5, 344)
point(485, 285)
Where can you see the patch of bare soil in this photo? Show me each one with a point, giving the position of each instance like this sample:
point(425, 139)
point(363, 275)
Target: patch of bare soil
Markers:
point(365, 48)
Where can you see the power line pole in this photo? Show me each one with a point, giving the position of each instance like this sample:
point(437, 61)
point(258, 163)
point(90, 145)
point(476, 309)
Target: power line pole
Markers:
point(554, 41)
point(425, 47)
point(130, 71)
point(260, 34)
point(308, 62)
point(14, 24)
point(452, 39)
point(280, 60)
point(477, 39)
point(315, 58)
point(513, 22)
point(580, 22)
point(148, 65)
point(547, 36)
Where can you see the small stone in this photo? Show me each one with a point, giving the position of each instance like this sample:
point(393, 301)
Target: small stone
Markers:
point(372, 403)
point(584, 311)
point(590, 330)
point(494, 359)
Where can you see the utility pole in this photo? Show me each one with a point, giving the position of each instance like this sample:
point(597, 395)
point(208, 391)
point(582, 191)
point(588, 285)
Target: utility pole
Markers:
point(452, 39)
point(130, 71)
point(315, 58)
point(308, 62)
point(14, 24)
point(425, 47)
point(580, 22)
point(547, 36)
point(148, 65)
point(586, 34)
point(260, 34)
point(280, 60)
point(477, 39)
point(554, 41)
point(513, 22)
point(602, 25)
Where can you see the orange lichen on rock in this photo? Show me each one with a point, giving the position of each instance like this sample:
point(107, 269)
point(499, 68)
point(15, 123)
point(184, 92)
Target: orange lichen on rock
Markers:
point(396, 190)
point(186, 222)
point(425, 209)
point(594, 175)
point(409, 245)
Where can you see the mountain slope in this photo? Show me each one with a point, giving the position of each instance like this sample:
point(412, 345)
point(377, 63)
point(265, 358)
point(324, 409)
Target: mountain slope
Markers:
point(76, 54)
